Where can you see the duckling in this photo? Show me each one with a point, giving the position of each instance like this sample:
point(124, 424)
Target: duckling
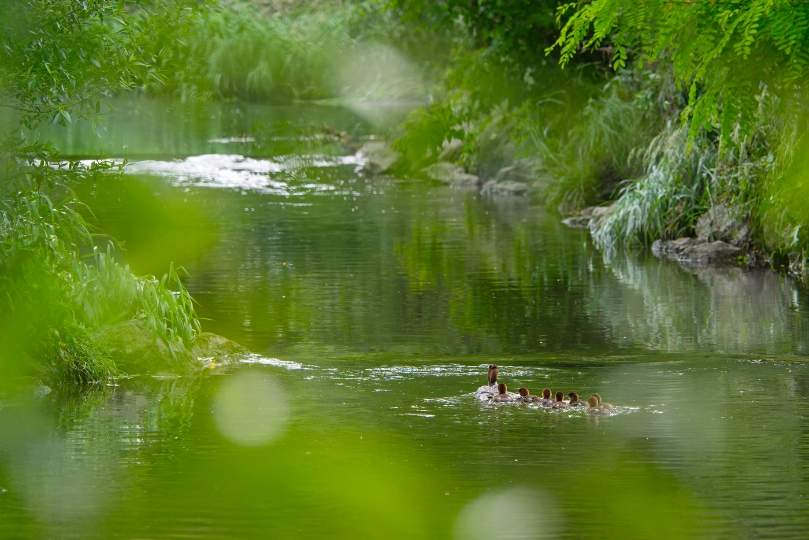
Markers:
point(592, 405)
point(574, 400)
point(526, 397)
point(546, 400)
point(502, 396)
point(603, 406)
point(560, 401)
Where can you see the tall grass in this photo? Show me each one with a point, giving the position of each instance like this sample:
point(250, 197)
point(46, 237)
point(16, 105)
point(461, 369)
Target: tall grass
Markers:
point(52, 298)
point(667, 200)
point(304, 55)
point(685, 176)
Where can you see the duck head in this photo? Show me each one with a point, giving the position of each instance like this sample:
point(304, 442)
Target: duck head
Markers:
point(560, 396)
point(546, 393)
point(592, 401)
point(501, 388)
point(598, 397)
point(523, 391)
point(573, 396)
point(492, 374)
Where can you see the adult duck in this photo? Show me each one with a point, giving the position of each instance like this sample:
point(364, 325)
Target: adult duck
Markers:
point(489, 391)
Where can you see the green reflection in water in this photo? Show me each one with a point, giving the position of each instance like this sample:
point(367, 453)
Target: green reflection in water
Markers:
point(392, 296)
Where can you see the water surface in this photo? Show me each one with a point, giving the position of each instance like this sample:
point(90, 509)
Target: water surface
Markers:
point(374, 305)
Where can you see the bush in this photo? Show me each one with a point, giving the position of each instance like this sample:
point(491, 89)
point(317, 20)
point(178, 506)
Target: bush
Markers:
point(51, 296)
point(58, 59)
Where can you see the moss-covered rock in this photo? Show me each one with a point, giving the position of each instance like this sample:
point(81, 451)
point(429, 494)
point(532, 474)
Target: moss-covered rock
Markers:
point(135, 350)
point(217, 348)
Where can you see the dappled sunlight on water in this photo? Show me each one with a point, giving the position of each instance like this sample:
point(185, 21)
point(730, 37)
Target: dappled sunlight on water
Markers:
point(238, 172)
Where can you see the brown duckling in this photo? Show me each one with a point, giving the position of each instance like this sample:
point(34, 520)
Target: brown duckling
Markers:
point(546, 400)
point(592, 405)
point(575, 401)
point(560, 402)
point(602, 405)
point(502, 396)
point(526, 397)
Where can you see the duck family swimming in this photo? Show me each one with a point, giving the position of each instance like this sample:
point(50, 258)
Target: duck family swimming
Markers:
point(498, 393)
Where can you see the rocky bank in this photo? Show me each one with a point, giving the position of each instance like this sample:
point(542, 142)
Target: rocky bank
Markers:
point(137, 351)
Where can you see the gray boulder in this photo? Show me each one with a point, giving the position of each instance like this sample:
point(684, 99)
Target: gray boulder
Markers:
point(522, 170)
point(449, 173)
point(581, 219)
point(723, 223)
point(711, 253)
point(135, 350)
point(379, 156)
point(693, 251)
point(673, 247)
point(508, 187)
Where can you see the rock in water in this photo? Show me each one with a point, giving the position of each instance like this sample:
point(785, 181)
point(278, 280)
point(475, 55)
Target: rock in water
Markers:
point(692, 251)
point(674, 248)
point(715, 252)
point(449, 173)
point(218, 348)
point(582, 218)
point(507, 187)
point(380, 157)
point(135, 350)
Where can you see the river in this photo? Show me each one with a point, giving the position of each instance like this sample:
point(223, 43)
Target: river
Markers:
point(374, 305)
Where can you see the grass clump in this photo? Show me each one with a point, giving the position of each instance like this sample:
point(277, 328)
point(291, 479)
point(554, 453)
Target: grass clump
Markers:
point(297, 55)
point(238, 55)
point(52, 297)
point(58, 60)
point(666, 200)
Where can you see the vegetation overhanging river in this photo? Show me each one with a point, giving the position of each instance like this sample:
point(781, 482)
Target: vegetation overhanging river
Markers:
point(375, 304)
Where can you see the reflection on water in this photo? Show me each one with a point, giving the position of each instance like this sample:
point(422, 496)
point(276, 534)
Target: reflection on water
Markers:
point(375, 305)
point(669, 308)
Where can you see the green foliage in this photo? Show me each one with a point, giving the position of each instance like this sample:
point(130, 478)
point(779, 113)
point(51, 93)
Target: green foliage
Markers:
point(602, 147)
point(666, 201)
point(169, 313)
point(685, 176)
point(50, 294)
point(721, 52)
point(58, 60)
point(238, 54)
point(424, 133)
point(517, 30)
point(304, 55)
